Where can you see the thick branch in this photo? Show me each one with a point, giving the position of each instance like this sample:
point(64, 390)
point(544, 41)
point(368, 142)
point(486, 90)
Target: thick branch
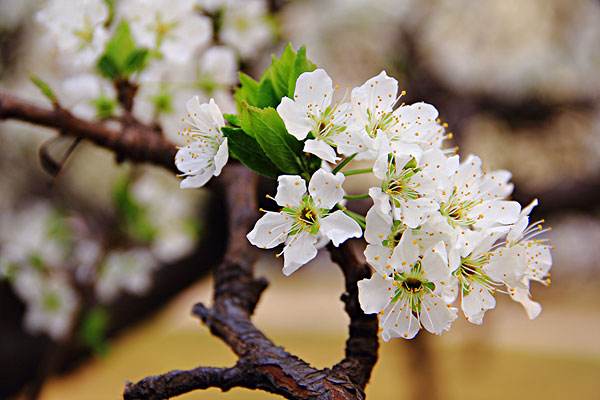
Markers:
point(135, 142)
point(264, 365)
point(362, 343)
point(175, 383)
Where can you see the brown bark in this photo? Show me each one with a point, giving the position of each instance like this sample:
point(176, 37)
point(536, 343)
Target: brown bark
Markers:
point(134, 142)
point(262, 364)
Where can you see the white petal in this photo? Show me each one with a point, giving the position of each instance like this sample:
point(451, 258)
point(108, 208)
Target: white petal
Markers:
point(339, 227)
point(290, 189)
point(378, 226)
point(436, 316)
point(314, 89)
point(377, 94)
point(321, 150)
point(198, 180)
point(532, 308)
point(207, 117)
point(221, 157)
point(435, 263)
point(477, 302)
point(415, 211)
point(468, 171)
point(326, 188)
point(375, 293)
point(299, 250)
point(406, 252)
point(380, 258)
point(504, 266)
point(399, 321)
point(270, 230)
point(494, 212)
point(381, 201)
point(294, 117)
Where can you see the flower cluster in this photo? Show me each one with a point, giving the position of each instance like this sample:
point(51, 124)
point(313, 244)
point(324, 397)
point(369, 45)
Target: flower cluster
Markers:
point(50, 257)
point(166, 47)
point(441, 228)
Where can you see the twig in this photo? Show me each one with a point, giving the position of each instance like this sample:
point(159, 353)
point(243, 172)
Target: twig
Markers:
point(135, 142)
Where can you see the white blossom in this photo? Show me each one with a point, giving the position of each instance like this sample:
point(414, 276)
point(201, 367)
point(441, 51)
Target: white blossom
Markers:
point(173, 27)
point(85, 94)
point(218, 69)
point(523, 259)
point(312, 111)
point(305, 222)
point(410, 288)
point(206, 153)
point(245, 26)
point(51, 303)
point(31, 236)
point(78, 32)
point(125, 271)
point(406, 127)
point(171, 213)
point(409, 185)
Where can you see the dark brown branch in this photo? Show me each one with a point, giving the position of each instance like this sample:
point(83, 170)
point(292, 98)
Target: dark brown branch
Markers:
point(175, 383)
point(362, 343)
point(262, 364)
point(135, 142)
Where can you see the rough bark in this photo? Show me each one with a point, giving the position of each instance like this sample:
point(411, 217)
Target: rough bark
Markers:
point(262, 364)
point(134, 142)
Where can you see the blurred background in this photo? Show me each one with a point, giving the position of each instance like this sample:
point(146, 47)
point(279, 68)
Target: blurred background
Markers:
point(116, 254)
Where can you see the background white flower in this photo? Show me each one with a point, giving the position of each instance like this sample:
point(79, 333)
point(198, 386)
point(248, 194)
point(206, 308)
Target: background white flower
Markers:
point(171, 27)
point(206, 153)
point(78, 32)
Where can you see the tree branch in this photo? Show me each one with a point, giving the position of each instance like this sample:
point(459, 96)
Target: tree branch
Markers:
point(262, 364)
point(175, 383)
point(135, 142)
point(362, 343)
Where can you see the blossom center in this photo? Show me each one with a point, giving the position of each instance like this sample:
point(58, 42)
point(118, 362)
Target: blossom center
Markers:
point(379, 121)
point(457, 211)
point(471, 271)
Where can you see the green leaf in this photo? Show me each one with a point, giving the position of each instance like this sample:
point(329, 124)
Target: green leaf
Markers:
point(134, 218)
point(121, 57)
point(247, 150)
point(105, 106)
point(265, 125)
point(280, 72)
point(92, 332)
point(121, 45)
point(301, 65)
point(285, 70)
point(107, 67)
point(232, 119)
point(44, 88)
point(136, 61)
point(278, 81)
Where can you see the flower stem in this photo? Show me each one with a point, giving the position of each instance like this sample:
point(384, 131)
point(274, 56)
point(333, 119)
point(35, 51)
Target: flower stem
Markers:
point(343, 163)
point(358, 171)
point(356, 196)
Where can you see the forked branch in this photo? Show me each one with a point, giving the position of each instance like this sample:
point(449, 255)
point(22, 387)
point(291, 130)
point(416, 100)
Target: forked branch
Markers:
point(262, 364)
